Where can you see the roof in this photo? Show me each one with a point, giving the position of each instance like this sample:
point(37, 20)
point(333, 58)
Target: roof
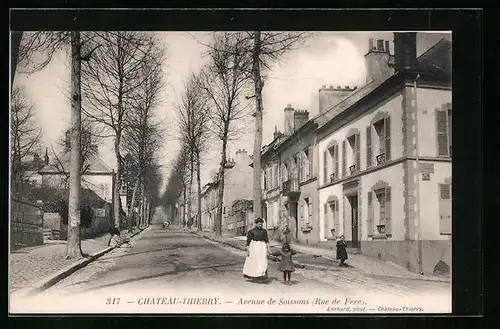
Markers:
point(95, 162)
point(435, 59)
point(50, 195)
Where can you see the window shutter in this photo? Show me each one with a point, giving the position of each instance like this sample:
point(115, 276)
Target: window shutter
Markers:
point(344, 159)
point(449, 131)
point(336, 163)
point(311, 162)
point(445, 208)
point(302, 210)
point(326, 234)
point(442, 132)
point(388, 222)
point(369, 146)
point(325, 167)
point(336, 218)
point(370, 214)
point(387, 127)
point(358, 152)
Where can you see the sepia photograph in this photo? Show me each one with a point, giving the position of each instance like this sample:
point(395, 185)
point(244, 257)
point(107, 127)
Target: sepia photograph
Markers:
point(168, 172)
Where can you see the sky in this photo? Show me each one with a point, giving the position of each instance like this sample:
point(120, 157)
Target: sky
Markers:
point(327, 58)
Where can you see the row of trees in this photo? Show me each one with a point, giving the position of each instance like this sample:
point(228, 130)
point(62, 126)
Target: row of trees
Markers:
point(215, 101)
point(116, 78)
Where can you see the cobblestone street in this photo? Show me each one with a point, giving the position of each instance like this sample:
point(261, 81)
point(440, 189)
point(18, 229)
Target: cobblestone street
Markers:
point(160, 263)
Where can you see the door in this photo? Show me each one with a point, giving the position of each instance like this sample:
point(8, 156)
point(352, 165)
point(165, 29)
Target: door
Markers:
point(353, 200)
point(293, 219)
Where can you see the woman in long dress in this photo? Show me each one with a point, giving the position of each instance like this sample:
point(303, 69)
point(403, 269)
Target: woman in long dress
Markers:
point(257, 249)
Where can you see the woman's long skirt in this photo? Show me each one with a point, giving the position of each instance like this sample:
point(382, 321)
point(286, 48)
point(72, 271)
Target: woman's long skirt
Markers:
point(256, 263)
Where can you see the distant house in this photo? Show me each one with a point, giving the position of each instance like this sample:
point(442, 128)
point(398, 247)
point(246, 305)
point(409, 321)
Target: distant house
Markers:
point(31, 169)
point(97, 175)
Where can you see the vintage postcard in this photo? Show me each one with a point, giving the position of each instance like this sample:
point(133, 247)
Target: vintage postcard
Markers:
point(231, 172)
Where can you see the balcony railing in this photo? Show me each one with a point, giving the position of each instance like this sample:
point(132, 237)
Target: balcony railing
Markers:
point(290, 186)
point(333, 177)
point(380, 158)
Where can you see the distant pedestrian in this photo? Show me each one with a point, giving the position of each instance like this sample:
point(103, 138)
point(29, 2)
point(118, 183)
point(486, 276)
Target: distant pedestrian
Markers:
point(286, 235)
point(286, 262)
point(257, 249)
point(341, 250)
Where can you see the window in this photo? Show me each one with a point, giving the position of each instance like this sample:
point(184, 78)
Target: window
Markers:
point(265, 179)
point(284, 174)
point(296, 167)
point(307, 212)
point(443, 127)
point(445, 222)
point(331, 220)
point(334, 154)
point(382, 143)
point(305, 165)
point(352, 154)
point(275, 175)
point(275, 213)
point(379, 212)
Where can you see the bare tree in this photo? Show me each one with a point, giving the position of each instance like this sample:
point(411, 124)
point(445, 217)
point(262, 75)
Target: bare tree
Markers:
point(24, 136)
point(110, 80)
point(223, 83)
point(176, 183)
point(34, 54)
point(15, 42)
point(195, 131)
point(266, 48)
point(144, 134)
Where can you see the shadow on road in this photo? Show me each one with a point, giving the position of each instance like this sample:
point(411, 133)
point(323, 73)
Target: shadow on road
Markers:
point(179, 268)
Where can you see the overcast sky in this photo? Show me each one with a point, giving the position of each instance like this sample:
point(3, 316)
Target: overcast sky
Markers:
point(328, 58)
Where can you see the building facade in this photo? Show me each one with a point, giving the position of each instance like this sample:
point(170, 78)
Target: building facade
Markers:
point(386, 178)
point(366, 165)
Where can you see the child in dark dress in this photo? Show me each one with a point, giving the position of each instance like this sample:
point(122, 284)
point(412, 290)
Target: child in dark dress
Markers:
point(286, 262)
point(341, 250)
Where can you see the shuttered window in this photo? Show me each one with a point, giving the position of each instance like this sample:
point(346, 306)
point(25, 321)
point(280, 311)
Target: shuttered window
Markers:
point(387, 128)
point(326, 221)
point(369, 146)
point(357, 149)
point(336, 222)
point(442, 128)
point(336, 161)
point(325, 167)
point(344, 159)
point(445, 223)
point(311, 163)
point(388, 217)
point(370, 214)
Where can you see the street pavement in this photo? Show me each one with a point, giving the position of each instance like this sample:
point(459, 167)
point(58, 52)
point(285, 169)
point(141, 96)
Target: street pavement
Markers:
point(168, 271)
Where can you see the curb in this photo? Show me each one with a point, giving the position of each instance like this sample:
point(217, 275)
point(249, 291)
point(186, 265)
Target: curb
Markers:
point(52, 279)
point(322, 267)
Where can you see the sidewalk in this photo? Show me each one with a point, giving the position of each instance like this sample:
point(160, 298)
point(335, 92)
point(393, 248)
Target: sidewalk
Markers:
point(30, 264)
point(324, 259)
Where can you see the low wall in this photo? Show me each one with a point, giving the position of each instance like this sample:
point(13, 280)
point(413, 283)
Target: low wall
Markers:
point(405, 253)
point(26, 224)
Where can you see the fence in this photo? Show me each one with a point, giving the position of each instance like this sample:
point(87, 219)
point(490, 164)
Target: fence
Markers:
point(26, 224)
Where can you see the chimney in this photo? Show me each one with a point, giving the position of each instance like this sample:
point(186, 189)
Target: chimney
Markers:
point(36, 160)
point(276, 133)
point(300, 118)
point(242, 158)
point(405, 50)
point(288, 120)
point(377, 60)
point(330, 96)
point(46, 157)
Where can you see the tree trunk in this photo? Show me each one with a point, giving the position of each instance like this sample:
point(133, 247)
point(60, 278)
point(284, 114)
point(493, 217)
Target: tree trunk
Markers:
point(190, 197)
point(132, 202)
point(141, 205)
point(74, 247)
point(116, 201)
point(184, 209)
point(258, 85)
point(198, 179)
point(220, 198)
point(15, 38)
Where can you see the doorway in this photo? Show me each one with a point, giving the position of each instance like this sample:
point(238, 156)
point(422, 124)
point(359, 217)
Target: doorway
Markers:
point(293, 219)
point(353, 201)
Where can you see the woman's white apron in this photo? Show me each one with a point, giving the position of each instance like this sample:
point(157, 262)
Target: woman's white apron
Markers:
point(256, 263)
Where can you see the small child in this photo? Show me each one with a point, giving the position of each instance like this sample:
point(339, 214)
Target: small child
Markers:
point(286, 262)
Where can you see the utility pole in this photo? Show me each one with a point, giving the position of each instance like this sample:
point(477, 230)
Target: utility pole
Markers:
point(417, 185)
